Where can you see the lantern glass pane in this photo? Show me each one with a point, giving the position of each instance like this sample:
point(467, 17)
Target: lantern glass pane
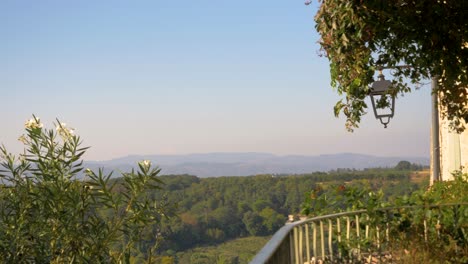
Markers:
point(383, 105)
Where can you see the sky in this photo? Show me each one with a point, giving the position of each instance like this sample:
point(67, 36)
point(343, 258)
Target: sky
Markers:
point(179, 77)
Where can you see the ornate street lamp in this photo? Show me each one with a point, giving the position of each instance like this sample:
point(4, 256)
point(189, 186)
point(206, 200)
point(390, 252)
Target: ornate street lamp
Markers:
point(380, 89)
point(383, 108)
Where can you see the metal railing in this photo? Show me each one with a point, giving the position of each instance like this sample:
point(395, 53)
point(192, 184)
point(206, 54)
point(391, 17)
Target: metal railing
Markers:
point(357, 234)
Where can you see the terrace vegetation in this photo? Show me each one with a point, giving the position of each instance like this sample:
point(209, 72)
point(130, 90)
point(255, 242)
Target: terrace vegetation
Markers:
point(49, 215)
point(428, 226)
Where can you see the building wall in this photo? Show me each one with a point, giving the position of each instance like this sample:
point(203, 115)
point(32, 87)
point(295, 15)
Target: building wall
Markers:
point(453, 150)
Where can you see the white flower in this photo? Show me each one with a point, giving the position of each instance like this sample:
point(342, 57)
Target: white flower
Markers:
point(64, 131)
point(23, 139)
point(60, 127)
point(29, 123)
point(145, 163)
point(33, 123)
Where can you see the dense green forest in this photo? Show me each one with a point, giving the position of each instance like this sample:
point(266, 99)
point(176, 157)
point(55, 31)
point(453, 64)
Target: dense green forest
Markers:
point(211, 211)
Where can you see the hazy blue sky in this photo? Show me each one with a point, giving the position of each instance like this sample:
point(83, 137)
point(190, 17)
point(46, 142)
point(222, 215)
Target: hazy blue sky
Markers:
point(176, 77)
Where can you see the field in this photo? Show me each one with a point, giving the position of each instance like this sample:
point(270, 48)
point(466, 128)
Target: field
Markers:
point(240, 251)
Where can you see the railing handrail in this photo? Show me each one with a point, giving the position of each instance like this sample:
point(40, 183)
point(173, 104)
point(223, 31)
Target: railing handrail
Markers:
point(274, 243)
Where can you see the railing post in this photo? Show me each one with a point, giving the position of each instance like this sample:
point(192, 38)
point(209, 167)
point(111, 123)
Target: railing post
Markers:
point(378, 236)
point(387, 232)
point(314, 241)
point(348, 230)
point(330, 237)
point(358, 237)
point(425, 230)
point(291, 247)
point(338, 227)
point(367, 226)
point(438, 222)
point(307, 242)
point(301, 255)
point(387, 227)
point(296, 249)
point(322, 239)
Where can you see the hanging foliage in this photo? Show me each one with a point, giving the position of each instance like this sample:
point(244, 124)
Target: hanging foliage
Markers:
point(431, 36)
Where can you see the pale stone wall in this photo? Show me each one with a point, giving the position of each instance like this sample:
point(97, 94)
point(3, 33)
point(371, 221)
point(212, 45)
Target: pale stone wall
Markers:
point(453, 150)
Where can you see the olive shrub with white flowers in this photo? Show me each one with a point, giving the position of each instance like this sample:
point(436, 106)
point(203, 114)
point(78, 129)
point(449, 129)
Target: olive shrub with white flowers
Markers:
point(49, 215)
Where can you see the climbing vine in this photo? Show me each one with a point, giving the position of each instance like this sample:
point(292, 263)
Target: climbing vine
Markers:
point(431, 36)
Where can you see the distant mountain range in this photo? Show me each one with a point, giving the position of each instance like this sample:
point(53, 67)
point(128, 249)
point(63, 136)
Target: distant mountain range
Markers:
point(251, 163)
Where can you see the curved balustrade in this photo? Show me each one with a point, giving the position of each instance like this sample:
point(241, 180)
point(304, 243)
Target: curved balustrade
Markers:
point(356, 235)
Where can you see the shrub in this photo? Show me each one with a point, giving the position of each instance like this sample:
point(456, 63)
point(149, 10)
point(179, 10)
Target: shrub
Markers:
point(48, 214)
point(429, 225)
